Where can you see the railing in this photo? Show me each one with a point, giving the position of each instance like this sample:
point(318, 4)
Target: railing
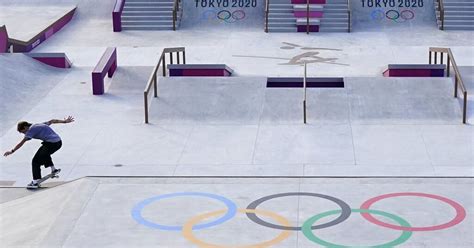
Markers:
point(307, 16)
point(267, 12)
point(153, 81)
point(349, 16)
point(441, 12)
point(304, 93)
point(176, 9)
point(117, 15)
point(458, 82)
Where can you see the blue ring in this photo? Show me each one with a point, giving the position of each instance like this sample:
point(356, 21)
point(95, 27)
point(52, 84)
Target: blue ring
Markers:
point(137, 211)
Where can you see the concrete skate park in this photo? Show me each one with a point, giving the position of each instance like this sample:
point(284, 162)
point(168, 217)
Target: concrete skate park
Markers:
point(270, 123)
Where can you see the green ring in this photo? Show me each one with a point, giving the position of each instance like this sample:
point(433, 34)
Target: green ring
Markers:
point(309, 233)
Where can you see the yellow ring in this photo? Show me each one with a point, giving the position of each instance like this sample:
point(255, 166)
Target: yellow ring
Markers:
point(188, 228)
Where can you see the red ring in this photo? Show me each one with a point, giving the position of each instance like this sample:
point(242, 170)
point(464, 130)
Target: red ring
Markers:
point(460, 212)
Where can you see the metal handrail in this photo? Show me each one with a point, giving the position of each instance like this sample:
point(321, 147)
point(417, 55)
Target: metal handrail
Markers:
point(458, 82)
point(153, 80)
point(307, 16)
point(441, 12)
point(349, 15)
point(175, 12)
point(267, 10)
point(304, 92)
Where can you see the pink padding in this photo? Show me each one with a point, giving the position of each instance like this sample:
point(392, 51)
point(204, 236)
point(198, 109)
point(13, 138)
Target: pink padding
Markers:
point(408, 73)
point(312, 14)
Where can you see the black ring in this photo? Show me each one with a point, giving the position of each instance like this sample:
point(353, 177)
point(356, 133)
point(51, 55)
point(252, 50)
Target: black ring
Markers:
point(225, 18)
point(392, 18)
point(345, 211)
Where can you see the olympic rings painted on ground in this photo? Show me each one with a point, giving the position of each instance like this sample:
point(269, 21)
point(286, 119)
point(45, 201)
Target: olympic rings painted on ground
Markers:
point(460, 212)
point(188, 228)
point(310, 235)
point(137, 210)
point(285, 226)
point(224, 15)
point(393, 15)
point(345, 210)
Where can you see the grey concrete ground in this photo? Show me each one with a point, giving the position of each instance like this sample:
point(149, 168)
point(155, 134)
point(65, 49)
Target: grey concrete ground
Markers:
point(98, 212)
point(235, 127)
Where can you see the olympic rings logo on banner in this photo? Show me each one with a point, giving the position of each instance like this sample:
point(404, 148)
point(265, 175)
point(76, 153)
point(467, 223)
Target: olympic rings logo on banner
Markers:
point(252, 212)
point(393, 15)
point(224, 15)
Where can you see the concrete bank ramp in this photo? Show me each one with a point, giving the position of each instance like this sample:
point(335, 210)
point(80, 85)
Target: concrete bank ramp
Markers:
point(23, 83)
point(246, 100)
point(45, 218)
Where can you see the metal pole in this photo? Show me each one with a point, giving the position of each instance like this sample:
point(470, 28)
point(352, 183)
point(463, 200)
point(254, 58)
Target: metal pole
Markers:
point(184, 56)
point(304, 94)
point(307, 16)
point(455, 85)
point(164, 64)
point(155, 86)
point(449, 65)
point(171, 57)
point(429, 57)
point(145, 94)
point(464, 111)
point(436, 58)
point(177, 56)
point(442, 58)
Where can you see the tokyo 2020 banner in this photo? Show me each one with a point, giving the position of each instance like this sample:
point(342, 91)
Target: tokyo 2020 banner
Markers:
point(393, 13)
point(222, 13)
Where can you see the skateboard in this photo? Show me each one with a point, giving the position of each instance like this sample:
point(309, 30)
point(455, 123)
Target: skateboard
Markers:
point(51, 175)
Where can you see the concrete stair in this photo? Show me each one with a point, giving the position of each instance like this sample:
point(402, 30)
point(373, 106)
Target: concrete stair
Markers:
point(458, 14)
point(149, 15)
point(335, 18)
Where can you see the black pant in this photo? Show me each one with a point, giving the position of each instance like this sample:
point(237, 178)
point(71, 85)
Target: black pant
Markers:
point(43, 157)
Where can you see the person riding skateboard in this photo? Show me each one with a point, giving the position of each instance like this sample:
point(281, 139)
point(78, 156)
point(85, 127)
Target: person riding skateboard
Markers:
point(51, 143)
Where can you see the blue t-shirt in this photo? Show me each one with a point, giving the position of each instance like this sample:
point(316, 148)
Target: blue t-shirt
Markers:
point(42, 132)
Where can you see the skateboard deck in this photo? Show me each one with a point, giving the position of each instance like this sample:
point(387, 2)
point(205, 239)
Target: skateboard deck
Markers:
point(51, 175)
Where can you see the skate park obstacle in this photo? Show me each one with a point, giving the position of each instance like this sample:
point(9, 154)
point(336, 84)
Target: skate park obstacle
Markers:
point(107, 65)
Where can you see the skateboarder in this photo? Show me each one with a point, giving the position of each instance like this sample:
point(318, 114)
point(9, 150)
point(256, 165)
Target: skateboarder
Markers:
point(51, 143)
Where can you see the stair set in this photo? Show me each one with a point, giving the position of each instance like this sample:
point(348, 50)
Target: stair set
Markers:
point(458, 14)
point(150, 15)
point(324, 16)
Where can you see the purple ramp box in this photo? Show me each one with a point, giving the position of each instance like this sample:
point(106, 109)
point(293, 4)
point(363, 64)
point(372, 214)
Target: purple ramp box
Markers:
point(59, 60)
point(107, 65)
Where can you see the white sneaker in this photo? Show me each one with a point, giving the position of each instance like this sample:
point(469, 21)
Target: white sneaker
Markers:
point(32, 185)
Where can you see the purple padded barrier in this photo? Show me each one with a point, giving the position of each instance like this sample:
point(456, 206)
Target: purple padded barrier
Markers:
point(310, 1)
point(312, 14)
point(24, 47)
point(312, 28)
point(414, 70)
point(297, 82)
point(59, 60)
point(107, 65)
point(3, 39)
point(199, 70)
point(117, 15)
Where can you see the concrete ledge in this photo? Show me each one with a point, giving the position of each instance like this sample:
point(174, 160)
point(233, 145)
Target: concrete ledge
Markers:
point(26, 46)
point(199, 70)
